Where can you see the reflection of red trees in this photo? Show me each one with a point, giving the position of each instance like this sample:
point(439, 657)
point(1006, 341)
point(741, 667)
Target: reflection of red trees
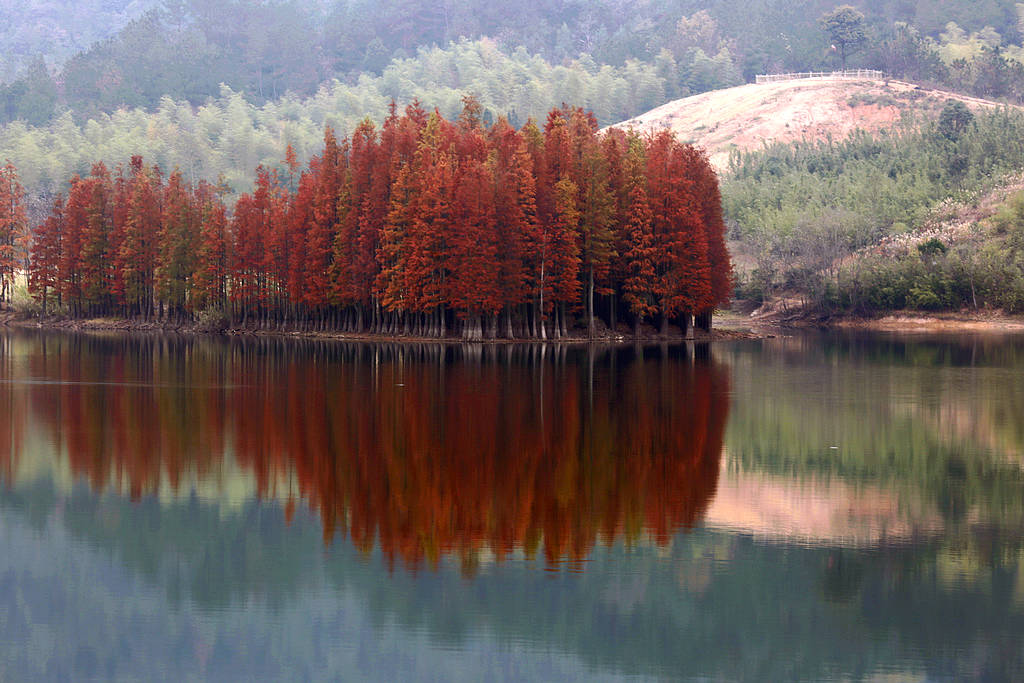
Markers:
point(413, 448)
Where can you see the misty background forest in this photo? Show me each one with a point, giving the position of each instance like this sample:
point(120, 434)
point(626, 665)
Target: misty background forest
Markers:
point(218, 87)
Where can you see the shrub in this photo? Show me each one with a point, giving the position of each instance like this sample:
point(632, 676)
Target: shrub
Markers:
point(212, 320)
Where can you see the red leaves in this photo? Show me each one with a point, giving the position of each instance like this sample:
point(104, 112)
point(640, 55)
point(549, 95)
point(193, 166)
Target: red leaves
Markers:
point(640, 285)
point(13, 229)
point(454, 221)
point(44, 270)
point(137, 234)
point(682, 270)
point(210, 281)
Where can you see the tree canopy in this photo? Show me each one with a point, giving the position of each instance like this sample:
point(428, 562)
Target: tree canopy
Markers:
point(422, 226)
point(846, 29)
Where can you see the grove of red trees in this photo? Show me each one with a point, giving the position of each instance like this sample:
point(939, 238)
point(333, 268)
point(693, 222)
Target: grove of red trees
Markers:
point(424, 227)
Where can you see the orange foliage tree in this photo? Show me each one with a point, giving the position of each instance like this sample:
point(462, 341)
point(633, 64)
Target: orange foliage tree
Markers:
point(13, 229)
point(424, 227)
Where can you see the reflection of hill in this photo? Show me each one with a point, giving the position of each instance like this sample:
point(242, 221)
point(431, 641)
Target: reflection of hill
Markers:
point(871, 411)
point(425, 451)
point(818, 511)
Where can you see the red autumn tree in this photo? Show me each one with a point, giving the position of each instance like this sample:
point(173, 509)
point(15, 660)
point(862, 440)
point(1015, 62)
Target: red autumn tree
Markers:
point(564, 251)
point(70, 263)
point(371, 190)
point(44, 270)
point(639, 288)
point(474, 287)
point(209, 281)
point(427, 267)
point(515, 217)
point(13, 229)
point(178, 239)
point(328, 177)
point(300, 222)
point(136, 257)
point(250, 227)
point(96, 257)
point(390, 286)
point(682, 268)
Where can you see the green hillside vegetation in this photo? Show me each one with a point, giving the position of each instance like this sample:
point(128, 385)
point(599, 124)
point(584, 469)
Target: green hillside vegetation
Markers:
point(226, 138)
point(187, 49)
point(982, 270)
point(846, 224)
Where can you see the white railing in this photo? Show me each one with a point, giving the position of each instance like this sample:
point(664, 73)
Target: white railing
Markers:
point(872, 74)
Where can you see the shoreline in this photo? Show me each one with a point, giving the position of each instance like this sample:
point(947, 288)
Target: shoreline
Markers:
point(905, 321)
point(17, 321)
point(913, 321)
point(732, 325)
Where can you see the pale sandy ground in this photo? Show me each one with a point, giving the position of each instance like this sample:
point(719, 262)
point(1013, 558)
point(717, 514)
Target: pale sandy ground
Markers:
point(951, 322)
point(749, 116)
point(774, 322)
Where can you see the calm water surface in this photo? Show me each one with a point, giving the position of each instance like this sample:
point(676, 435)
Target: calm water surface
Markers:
point(807, 508)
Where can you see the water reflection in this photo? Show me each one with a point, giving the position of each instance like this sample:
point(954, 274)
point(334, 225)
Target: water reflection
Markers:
point(932, 427)
point(423, 451)
point(167, 501)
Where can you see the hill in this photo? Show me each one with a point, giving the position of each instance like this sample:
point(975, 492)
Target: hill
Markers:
point(838, 194)
point(750, 116)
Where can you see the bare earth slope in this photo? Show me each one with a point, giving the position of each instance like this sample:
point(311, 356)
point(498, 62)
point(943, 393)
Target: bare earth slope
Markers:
point(748, 116)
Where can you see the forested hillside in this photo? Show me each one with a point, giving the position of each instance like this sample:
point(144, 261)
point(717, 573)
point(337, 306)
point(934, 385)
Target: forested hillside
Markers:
point(924, 216)
point(52, 31)
point(225, 139)
point(185, 49)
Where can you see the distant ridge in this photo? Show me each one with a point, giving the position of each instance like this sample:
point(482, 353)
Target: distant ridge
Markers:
point(749, 116)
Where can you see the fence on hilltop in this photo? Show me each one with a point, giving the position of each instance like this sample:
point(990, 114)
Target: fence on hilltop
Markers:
point(872, 74)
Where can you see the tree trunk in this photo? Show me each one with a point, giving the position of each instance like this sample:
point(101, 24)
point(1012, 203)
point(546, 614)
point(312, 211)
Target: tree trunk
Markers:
point(613, 323)
point(590, 302)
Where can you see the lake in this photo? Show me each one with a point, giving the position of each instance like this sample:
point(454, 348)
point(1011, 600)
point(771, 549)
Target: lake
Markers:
point(812, 507)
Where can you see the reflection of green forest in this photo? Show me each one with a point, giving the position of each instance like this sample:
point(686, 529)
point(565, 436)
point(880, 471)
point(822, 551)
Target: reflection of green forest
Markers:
point(939, 420)
point(701, 611)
